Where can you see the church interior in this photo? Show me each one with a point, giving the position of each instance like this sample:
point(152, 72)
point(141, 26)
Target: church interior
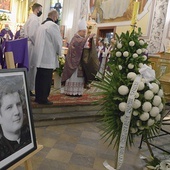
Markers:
point(69, 133)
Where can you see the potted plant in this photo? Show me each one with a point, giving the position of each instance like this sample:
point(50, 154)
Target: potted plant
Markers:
point(58, 72)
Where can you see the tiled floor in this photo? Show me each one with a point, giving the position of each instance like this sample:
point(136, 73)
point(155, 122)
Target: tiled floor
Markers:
point(80, 147)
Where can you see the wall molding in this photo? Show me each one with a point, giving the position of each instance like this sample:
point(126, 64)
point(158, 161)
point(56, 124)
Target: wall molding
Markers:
point(157, 27)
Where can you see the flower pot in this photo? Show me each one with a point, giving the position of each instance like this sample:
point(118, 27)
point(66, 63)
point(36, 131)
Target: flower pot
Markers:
point(57, 81)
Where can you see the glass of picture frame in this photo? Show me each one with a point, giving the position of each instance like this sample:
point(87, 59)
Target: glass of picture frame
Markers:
point(17, 133)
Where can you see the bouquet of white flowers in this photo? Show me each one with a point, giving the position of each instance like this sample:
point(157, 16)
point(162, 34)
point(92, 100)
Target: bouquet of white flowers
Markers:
point(61, 60)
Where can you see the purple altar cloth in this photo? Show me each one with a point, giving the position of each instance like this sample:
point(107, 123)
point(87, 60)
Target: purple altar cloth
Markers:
point(19, 48)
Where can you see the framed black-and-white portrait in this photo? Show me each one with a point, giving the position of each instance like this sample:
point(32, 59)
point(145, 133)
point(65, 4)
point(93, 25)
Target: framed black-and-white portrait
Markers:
point(17, 133)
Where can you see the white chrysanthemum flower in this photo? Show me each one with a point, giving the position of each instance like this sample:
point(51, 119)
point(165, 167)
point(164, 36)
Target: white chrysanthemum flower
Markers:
point(130, 66)
point(141, 86)
point(126, 54)
point(131, 43)
point(141, 128)
point(122, 118)
point(150, 122)
point(154, 111)
point(161, 106)
point(131, 76)
point(133, 130)
point(140, 65)
point(136, 95)
point(143, 80)
point(135, 113)
point(147, 106)
point(155, 88)
point(148, 95)
point(138, 123)
point(123, 90)
point(119, 45)
point(118, 54)
point(136, 104)
point(141, 42)
point(143, 50)
point(144, 116)
point(160, 93)
point(120, 67)
point(139, 51)
point(158, 117)
point(157, 100)
point(122, 106)
point(165, 165)
point(144, 57)
point(135, 55)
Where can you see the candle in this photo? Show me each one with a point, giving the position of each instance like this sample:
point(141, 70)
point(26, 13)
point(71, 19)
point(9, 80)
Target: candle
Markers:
point(135, 13)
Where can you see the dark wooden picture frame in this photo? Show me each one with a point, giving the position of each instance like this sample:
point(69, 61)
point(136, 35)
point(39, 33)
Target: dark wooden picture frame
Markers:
point(15, 117)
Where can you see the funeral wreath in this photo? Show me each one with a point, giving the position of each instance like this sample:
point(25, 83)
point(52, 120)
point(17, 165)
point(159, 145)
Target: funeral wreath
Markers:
point(132, 96)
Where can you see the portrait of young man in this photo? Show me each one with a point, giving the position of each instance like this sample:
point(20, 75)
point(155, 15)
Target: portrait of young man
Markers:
point(14, 128)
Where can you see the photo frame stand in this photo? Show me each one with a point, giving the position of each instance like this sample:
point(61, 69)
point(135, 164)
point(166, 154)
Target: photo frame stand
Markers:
point(27, 160)
point(9, 58)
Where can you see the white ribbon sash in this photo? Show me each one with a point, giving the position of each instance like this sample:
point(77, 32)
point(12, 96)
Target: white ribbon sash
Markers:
point(149, 75)
point(126, 123)
point(127, 119)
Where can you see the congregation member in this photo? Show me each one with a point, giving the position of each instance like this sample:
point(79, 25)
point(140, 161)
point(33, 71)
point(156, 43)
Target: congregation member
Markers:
point(100, 50)
point(102, 54)
point(110, 48)
point(18, 33)
point(48, 45)
point(6, 33)
point(30, 29)
point(73, 77)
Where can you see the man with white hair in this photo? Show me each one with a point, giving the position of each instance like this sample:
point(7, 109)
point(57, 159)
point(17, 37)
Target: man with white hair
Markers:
point(73, 76)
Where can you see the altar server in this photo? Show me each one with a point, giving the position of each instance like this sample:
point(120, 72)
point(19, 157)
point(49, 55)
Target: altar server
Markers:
point(48, 45)
point(30, 29)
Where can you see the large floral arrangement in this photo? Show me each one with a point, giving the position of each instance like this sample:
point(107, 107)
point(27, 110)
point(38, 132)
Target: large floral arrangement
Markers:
point(129, 59)
point(61, 60)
